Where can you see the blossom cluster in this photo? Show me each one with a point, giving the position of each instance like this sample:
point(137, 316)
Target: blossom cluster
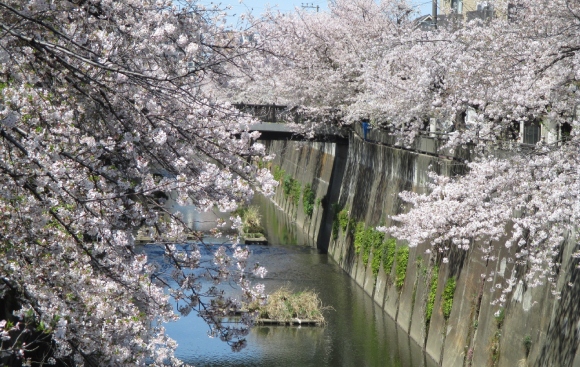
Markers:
point(103, 112)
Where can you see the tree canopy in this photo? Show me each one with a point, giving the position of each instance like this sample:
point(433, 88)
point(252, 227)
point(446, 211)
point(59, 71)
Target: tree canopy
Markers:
point(104, 111)
point(481, 78)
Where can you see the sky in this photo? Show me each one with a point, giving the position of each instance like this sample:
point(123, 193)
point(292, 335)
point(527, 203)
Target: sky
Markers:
point(258, 7)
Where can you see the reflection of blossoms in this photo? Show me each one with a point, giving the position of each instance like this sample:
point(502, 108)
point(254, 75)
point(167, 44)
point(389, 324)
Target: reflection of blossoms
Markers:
point(236, 347)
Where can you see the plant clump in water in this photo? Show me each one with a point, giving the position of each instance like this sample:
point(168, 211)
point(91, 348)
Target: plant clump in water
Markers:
point(251, 221)
point(285, 306)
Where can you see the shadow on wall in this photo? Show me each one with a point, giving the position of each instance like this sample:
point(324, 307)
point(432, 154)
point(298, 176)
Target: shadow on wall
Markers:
point(457, 259)
point(561, 343)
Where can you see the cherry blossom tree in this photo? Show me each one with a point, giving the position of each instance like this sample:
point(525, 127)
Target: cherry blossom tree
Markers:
point(518, 68)
point(104, 111)
point(482, 78)
point(317, 61)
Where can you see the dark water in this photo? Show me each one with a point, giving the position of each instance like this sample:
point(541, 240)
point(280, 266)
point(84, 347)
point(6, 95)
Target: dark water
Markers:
point(357, 333)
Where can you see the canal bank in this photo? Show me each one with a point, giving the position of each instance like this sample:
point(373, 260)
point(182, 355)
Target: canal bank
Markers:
point(444, 307)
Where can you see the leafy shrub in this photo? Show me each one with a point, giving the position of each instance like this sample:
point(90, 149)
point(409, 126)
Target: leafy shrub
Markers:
point(402, 259)
point(308, 200)
point(448, 293)
point(432, 293)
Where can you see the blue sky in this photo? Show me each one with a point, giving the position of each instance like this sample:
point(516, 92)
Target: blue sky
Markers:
point(257, 7)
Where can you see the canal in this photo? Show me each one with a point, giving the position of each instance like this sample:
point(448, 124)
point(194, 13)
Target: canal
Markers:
point(357, 333)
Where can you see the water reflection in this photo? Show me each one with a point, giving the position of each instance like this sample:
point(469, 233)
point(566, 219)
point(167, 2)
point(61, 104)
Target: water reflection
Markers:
point(358, 332)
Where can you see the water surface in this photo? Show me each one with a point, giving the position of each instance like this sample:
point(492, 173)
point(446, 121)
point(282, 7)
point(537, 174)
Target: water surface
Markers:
point(357, 333)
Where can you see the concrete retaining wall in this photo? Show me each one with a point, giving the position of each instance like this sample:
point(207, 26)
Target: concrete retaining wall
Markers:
point(318, 164)
point(367, 183)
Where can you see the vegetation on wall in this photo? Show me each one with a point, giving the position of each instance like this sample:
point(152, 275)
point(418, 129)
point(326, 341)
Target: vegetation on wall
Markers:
point(388, 257)
point(367, 240)
point(358, 237)
point(527, 342)
point(292, 189)
point(343, 219)
point(376, 260)
point(402, 259)
point(308, 197)
point(432, 294)
point(262, 164)
point(448, 293)
point(494, 347)
point(335, 222)
point(278, 173)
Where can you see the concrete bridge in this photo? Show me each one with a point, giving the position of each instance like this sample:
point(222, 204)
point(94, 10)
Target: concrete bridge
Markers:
point(279, 122)
point(283, 131)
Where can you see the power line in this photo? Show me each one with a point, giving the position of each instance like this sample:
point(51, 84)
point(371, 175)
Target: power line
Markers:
point(310, 6)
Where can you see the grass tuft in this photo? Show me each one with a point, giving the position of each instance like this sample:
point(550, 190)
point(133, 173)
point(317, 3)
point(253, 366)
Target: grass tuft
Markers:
point(284, 305)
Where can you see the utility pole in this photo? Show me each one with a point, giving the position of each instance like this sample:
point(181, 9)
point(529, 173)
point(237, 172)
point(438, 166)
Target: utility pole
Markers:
point(434, 13)
point(310, 6)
